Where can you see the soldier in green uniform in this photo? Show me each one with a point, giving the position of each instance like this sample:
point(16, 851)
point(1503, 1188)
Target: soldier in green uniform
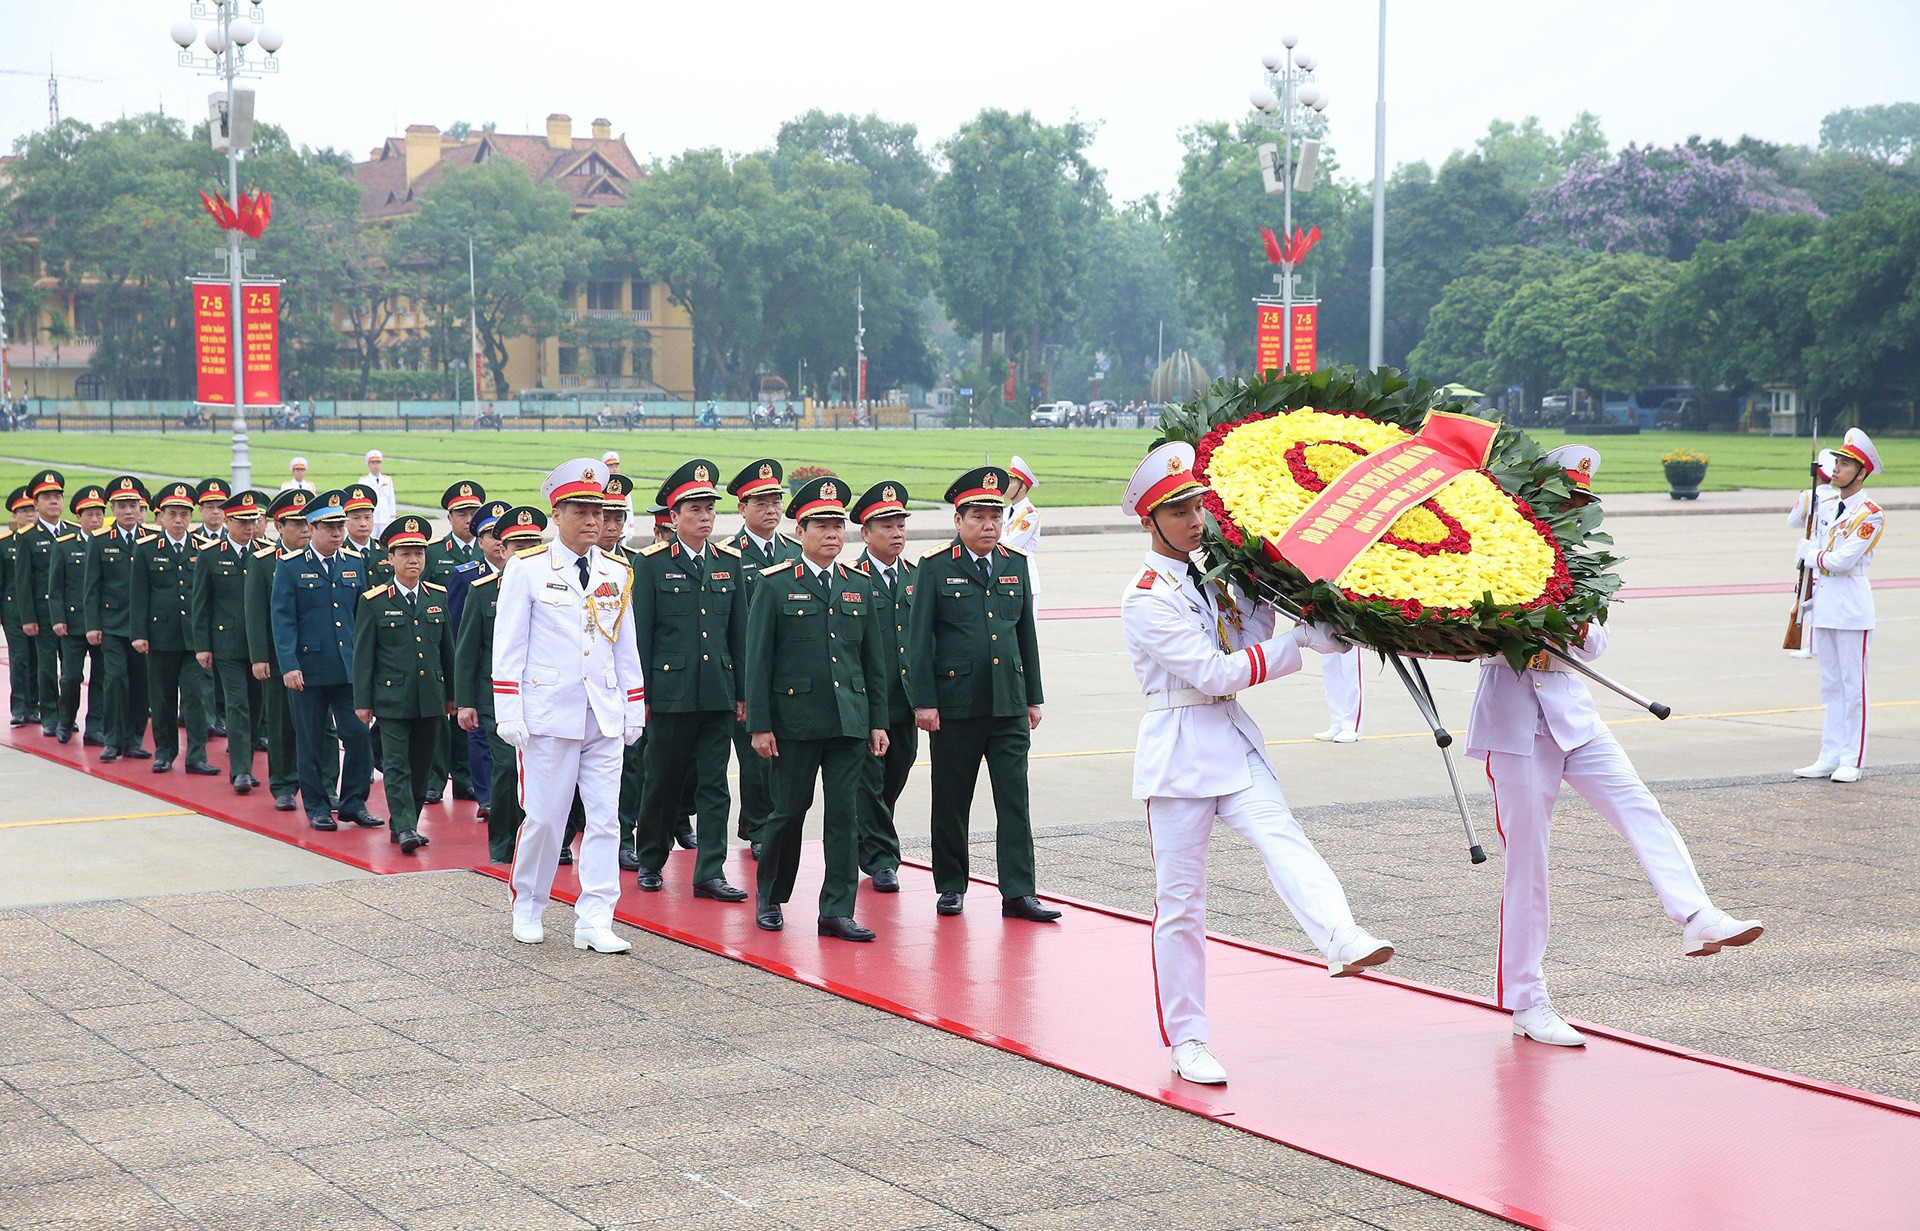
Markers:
point(973, 675)
point(614, 515)
point(881, 514)
point(402, 665)
point(517, 528)
point(816, 705)
point(758, 489)
point(492, 559)
point(211, 496)
point(690, 623)
point(22, 679)
point(288, 512)
point(163, 567)
point(33, 583)
point(455, 548)
point(360, 532)
point(108, 619)
point(67, 597)
point(218, 635)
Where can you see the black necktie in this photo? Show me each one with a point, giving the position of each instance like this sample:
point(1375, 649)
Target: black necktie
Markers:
point(412, 609)
point(984, 567)
point(326, 567)
point(693, 566)
point(1199, 583)
point(179, 549)
point(581, 564)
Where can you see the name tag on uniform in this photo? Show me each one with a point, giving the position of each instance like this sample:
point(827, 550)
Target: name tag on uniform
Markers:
point(347, 574)
point(556, 585)
point(849, 596)
point(956, 581)
point(721, 576)
point(1009, 581)
point(798, 598)
point(674, 576)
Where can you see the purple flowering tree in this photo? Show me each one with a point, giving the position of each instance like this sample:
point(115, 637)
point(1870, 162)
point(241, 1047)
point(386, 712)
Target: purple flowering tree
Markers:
point(1663, 202)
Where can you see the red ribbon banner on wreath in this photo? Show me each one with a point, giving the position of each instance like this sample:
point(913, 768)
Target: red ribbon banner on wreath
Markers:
point(1357, 508)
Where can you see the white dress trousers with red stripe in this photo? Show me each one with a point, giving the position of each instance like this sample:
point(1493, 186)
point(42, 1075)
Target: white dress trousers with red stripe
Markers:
point(1537, 730)
point(1843, 621)
point(1343, 675)
point(578, 690)
point(1198, 763)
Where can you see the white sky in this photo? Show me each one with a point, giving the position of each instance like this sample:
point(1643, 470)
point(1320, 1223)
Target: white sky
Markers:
point(676, 75)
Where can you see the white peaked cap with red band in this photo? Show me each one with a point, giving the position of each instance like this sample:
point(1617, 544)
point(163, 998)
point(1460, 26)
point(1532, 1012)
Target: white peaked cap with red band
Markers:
point(1581, 462)
point(1859, 446)
point(1018, 468)
point(583, 478)
point(1823, 462)
point(1163, 475)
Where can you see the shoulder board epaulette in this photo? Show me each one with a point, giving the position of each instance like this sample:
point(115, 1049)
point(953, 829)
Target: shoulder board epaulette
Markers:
point(656, 548)
point(67, 538)
point(774, 570)
point(375, 592)
point(1009, 549)
point(724, 548)
point(931, 552)
point(145, 539)
point(1872, 507)
point(531, 551)
point(622, 561)
point(293, 553)
point(7, 533)
point(1147, 578)
point(489, 579)
point(784, 535)
point(264, 552)
point(348, 551)
point(434, 586)
point(617, 555)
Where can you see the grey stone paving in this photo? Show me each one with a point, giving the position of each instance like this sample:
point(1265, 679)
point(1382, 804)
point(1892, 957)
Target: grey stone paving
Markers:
point(374, 1053)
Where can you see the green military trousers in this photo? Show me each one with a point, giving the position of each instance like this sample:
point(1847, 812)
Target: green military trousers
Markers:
point(958, 748)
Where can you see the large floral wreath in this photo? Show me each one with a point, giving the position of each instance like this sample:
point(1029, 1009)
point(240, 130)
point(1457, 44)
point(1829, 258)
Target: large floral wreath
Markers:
point(1496, 563)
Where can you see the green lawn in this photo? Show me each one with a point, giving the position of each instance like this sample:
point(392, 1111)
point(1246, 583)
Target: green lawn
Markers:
point(1075, 467)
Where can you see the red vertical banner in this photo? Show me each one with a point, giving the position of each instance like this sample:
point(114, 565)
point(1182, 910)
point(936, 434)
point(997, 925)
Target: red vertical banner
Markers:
point(1306, 337)
point(260, 334)
point(212, 354)
point(862, 399)
point(1011, 389)
point(1268, 343)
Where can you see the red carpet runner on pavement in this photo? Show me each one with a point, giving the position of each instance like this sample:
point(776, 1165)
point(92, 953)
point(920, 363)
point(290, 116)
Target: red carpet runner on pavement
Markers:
point(1418, 1085)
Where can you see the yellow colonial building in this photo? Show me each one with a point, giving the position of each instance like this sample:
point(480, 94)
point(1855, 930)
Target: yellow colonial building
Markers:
point(593, 171)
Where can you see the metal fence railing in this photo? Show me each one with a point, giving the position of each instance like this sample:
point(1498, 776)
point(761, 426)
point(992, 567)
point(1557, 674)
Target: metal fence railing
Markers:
point(536, 415)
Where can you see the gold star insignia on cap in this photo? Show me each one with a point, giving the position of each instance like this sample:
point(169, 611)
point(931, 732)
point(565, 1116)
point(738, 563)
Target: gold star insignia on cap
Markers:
point(702, 475)
point(412, 525)
point(526, 517)
point(829, 491)
point(466, 489)
point(333, 502)
point(992, 482)
point(1586, 465)
point(766, 471)
point(586, 472)
point(886, 493)
point(1174, 465)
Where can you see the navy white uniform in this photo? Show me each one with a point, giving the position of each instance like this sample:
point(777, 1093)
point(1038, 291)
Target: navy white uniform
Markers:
point(1840, 553)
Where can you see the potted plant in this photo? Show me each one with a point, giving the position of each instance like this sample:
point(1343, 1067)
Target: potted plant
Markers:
point(1685, 468)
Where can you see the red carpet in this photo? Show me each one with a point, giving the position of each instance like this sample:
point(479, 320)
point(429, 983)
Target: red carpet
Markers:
point(1418, 1085)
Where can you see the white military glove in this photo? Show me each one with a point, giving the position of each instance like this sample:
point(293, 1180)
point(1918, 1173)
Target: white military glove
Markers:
point(514, 733)
point(633, 734)
point(1805, 551)
point(1319, 638)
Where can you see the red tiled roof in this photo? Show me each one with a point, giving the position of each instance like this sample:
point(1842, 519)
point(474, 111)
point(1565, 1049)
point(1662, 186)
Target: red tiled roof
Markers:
point(593, 172)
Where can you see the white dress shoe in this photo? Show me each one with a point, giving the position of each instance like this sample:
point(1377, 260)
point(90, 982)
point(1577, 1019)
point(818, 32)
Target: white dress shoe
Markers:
point(1819, 769)
point(600, 939)
point(1193, 1062)
point(1799, 653)
point(1543, 1025)
point(529, 931)
point(1353, 949)
point(1846, 773)
point(1713, 929)
point(1348, 736)
point(1327, 734)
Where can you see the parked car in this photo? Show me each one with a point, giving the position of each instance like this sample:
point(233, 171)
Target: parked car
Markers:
point(1050, 414)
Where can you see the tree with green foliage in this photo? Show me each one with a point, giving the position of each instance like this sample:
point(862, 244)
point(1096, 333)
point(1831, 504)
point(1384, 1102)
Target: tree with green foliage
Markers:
point(1725, 321)
point(898, 172)
point(1865, 300)
point(1455, 344)
point(1886, 133)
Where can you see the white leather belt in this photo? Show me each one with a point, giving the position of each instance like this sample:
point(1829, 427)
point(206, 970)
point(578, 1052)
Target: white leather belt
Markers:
point(1181, 698)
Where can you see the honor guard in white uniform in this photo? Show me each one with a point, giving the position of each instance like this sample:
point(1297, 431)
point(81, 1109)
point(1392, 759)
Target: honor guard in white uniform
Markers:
point(1803, 524)
point(1846, 531)
point(1536, 729)
point(568, 695)
point(1200, 757)
point(1021, 531)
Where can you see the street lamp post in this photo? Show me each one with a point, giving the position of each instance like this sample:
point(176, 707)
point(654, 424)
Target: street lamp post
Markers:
point(1377, 275)
point(1287, 104)
point(232, 126)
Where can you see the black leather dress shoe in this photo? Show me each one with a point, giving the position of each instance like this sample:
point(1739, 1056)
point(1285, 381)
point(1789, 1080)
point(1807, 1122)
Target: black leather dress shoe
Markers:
point(465, 793)
point(768, 916)
point(261, 743)
point(684, 839)
point(411, 841)
point(137, 752)
point(950, 904)
point(242, 784)
point(566, 855)
point(886, 880)
point(363, 818)
point(17, 721)
point(202, 768)
point(840, 927)
point(719, 890)
point(482, 812)
point(93, 741)
point(161, 765)
point(284, 803)
point(433, 797)
point(333, 803)
point(109, 753)
point(740, 832)
point(251, 781)
point(63, 733)
point(629, 862)
point(1028, 907)
point(753, 851)
point(47, 730)
point(219, 729)
point(650, 880)
point(325, 822)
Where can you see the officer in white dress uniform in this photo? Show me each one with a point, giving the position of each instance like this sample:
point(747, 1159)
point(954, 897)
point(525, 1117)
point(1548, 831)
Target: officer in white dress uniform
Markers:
point(1021, 530)
point(386, 504)
point(1841, 551)
point(1536, 729)
point(1797, 518)
point(568, 695)
point(1200, 756)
